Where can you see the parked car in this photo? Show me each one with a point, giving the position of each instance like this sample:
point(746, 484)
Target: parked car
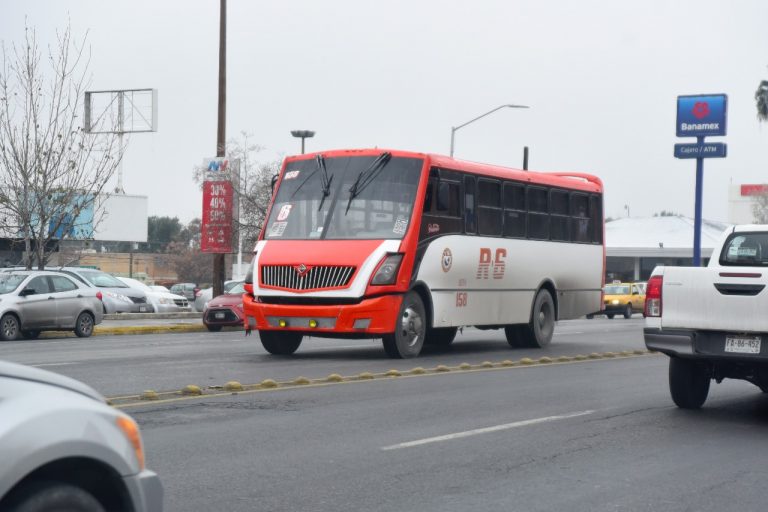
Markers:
point(202, 297)
point(622, 299)
point(187, 290)
point(118, 296)
point(65, 449)
point(226, 309)
point(32, 301)
point(161, 301)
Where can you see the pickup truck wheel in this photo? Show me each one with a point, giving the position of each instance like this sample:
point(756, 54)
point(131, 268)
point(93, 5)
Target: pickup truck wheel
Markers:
point(688, 382)
point(43, 496)
point(280, 343)
point(628, 311)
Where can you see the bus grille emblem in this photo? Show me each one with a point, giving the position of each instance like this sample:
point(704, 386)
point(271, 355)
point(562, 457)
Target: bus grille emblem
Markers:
point(301, 269)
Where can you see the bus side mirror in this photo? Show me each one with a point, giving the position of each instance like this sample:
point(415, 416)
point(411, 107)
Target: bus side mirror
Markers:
point(272, 183)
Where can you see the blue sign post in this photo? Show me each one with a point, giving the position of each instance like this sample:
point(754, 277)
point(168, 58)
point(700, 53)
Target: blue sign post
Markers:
point(700, 116)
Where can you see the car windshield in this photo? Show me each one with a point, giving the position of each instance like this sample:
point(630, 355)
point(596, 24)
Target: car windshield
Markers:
point(237, 289)
point(103, 280)
point(619, 289)
point(369, 197)
point(9, 282)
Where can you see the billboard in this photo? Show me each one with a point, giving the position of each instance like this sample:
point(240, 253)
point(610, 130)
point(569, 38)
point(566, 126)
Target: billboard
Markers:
point(121, 217)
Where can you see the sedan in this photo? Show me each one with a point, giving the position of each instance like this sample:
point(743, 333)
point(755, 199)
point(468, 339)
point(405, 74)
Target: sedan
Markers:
point(65, 449)
point(162, 300)
point(225, 310)
point(39, 300)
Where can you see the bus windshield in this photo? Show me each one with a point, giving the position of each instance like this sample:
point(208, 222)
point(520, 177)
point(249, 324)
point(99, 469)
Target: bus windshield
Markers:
point(360, 197)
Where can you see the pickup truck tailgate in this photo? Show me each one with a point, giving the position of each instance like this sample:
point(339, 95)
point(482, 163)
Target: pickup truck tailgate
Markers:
point(732, 299)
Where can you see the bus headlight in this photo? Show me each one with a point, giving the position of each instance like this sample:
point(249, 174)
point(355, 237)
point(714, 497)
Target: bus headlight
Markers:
point(387, 271)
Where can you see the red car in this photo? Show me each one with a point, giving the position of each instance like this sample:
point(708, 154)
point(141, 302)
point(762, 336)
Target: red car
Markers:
point(226, 309)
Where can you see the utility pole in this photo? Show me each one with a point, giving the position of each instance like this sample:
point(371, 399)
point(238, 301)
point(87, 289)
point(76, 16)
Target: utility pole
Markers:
point(221, 135)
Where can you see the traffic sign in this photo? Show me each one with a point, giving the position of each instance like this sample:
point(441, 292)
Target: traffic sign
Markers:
point(704, 150)
point(701, 115)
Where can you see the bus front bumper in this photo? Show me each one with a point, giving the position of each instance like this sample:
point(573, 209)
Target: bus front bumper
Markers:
point(370, 316)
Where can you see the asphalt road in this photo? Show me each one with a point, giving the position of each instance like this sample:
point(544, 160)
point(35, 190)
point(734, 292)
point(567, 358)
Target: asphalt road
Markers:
point(118, 365)
point(590, 435)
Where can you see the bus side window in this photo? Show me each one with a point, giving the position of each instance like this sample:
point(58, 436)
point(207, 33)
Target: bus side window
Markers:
point(470, 217)
point(448, 199)
point(596, 214)
point(428, 197)
point(538, 213)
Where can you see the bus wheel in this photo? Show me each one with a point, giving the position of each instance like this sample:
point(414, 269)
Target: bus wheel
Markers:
point(538, 332)
point(280, 343)
point(441, 337)
point(410, 328)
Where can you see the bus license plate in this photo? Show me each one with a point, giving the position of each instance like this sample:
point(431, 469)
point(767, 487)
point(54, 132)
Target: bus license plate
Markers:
point(742, 345)
point(219, 315)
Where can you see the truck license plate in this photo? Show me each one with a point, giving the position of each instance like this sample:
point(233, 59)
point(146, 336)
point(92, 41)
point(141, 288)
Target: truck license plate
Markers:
point(742, 344)
point(221, 315)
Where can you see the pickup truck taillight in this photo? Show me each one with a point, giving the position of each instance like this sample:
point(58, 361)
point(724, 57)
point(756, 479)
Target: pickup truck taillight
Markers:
point(653, 296)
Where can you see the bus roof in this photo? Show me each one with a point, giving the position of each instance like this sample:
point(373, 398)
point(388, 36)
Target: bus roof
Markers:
point(570, 180)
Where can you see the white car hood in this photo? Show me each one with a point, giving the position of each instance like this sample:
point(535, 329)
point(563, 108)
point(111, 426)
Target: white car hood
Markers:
point(18, 371)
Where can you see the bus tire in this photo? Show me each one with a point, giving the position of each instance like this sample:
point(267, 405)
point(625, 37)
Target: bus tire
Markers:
point(538, 332)
point(410, 329)
point(441, 337)
point(280, 343)
point(688, 382)
point(514, 336)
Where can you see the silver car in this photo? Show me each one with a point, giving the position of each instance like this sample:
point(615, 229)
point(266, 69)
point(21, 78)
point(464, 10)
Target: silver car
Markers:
point(37, 300)
point(118, 297)
point(64, 448)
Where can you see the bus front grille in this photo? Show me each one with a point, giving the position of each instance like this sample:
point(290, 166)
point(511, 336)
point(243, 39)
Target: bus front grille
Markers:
point(319, 277)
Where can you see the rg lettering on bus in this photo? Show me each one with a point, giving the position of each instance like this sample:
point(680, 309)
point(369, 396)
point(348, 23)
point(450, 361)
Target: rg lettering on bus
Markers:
point(491, 265)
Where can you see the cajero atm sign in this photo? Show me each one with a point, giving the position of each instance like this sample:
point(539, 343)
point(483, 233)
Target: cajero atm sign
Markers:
point(701, 116)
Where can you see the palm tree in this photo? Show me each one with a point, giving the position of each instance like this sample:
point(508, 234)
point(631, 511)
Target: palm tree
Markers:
point(761, 97)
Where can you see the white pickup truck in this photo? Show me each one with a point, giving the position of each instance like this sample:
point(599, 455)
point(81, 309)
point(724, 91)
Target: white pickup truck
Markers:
point(712, 321)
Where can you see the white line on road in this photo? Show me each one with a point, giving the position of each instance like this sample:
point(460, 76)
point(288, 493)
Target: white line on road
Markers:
point(486, 430)
point(41, 365)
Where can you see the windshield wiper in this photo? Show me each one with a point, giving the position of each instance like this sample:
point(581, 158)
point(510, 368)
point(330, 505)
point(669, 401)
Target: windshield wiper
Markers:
point(366, 177)
point(325, 180)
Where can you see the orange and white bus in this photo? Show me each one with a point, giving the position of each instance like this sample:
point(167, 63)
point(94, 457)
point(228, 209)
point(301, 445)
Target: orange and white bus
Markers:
point(407, 247)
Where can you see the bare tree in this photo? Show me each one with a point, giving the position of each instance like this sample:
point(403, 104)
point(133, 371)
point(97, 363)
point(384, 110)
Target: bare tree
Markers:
point(52, 173)
point(760, 205)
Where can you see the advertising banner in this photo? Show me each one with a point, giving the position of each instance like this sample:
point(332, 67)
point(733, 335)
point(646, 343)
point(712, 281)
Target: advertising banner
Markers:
point(216, 227)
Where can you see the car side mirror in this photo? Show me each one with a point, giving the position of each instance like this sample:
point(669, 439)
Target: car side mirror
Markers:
point(27, 291)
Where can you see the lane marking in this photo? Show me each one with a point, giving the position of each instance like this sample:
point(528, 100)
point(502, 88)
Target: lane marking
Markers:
point(486, 430)
point(41, 365)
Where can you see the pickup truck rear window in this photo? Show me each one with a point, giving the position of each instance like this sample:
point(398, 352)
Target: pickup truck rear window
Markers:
point(745, 250)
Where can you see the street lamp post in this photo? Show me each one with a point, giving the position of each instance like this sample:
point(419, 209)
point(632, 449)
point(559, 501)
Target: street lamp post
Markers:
point(302, 134)
point(455, 128)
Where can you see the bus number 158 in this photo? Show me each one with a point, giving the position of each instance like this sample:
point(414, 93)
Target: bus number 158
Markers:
point(461, 299)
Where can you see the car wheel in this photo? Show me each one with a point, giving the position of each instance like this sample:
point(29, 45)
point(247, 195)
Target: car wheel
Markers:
point(688, 382)
point(441, 337)
point(30, 334)
point(84, 325)
point(538, 332)
point(9, 327)
point(410, 329)
point(280, 343)
point(609, 315)
point(628, 311)
point(590, 316)
point(214, 328)
point(44, 496)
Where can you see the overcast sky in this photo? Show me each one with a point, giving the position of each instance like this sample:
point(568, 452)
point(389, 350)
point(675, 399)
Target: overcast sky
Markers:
point(601, 78)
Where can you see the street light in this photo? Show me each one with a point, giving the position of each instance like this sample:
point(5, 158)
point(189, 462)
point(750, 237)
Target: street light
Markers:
point(454, 128)
point(302, 134)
